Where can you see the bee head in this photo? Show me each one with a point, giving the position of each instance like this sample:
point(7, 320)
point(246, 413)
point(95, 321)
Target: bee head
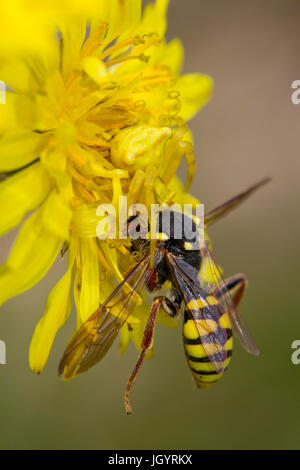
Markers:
point(178, 229)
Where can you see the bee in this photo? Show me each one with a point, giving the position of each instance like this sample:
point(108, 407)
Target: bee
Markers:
point(210, 305)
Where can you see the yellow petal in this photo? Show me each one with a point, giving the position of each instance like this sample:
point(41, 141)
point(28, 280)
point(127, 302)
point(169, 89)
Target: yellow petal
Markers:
point(121, 16)
point(85, 221)
point(181, 196)
point(95, 69)
point(55, 161)
point(195, 90)
point(124, 16)
point(31, 257)
point(155, 17)
point(17, 196)
point(125, 338)
point(8, 112)
point(17, 75)
point(154, 22)
point(76, 291)
point(18, 148)
point(22, 28)
point(171, 55)
point(111, 256)
point(58, 308)
point(26, 112)
point(89, 296)
point(106, 284)
point(73, 33)
point(30, 74)
point(57, 216)
point(21, 111)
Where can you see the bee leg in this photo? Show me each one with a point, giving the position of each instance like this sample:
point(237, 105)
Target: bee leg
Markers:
point(235, 286)
point(147, 342)
point(172, 306)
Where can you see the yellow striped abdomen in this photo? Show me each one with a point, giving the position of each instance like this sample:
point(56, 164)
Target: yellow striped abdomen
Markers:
point(207, 344)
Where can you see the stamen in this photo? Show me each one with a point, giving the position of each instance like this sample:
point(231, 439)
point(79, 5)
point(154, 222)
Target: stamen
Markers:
point(155, 41)
point(78, 176)
point(99, 157)
point(116, 47)
point(135, 41)
point(77, 158)
point(93, 142)
point(156, 74)
point(155, 81)
point(84, 193)
point(120, 60)
point(140, 50)
point(93, 41)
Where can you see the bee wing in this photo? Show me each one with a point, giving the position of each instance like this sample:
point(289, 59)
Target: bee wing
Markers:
point(90, 343)
point(215, 214)
point(205, 318)
point(217, 284)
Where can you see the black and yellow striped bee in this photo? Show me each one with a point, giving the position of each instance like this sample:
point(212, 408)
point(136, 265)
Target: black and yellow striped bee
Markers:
point(210, 305)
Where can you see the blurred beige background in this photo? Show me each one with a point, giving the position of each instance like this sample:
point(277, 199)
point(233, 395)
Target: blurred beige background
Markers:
point(249, 130)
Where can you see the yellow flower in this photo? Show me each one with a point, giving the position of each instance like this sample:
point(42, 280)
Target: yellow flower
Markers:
point(28, 25)
point(97, 113)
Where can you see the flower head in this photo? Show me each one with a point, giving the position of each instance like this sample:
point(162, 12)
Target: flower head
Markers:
point(97, 112)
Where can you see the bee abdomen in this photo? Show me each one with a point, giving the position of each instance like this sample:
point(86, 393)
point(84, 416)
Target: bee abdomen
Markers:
point(208, 347)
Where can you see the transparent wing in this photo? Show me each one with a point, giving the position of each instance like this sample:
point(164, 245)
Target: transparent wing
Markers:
point(205, 317)
point(232, 203)
point(215, 283)
point(90, 343)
